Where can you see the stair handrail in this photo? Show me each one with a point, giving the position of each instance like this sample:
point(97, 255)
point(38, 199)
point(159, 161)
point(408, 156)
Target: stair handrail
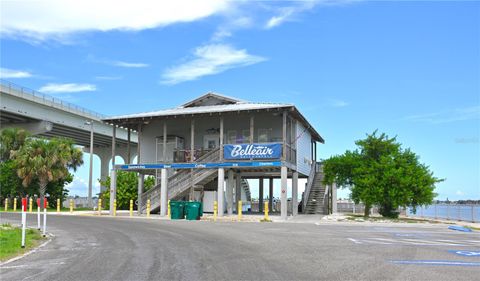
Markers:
point(310, 181)
point(179, 177)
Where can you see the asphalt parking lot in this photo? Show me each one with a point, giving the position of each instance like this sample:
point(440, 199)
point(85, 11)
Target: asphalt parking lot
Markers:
point(103, 248)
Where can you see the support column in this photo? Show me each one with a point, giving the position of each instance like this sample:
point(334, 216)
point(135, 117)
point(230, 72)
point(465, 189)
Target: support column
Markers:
point(128, 147)
point(221, 182)
point(139, 134)
point(163, 193)
point(230, 184)
point(283, 193)
point(238, 190)
point(113, 189)
point(334, 198)
point(270, 194)
point(90, 172)
point(221, 139)
point(113, 174)
point(295, 193)
point(260, 195)
point(141, 178)
point(104, 161)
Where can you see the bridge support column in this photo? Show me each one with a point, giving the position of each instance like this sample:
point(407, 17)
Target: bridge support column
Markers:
point(230, 184)
point(163, 193)
point(104, 161)
point(295, 193)
point(238, 190)
point(260, 195)
point(141, 181)
point(283, 194)
point(113, 189)
point(221, 181)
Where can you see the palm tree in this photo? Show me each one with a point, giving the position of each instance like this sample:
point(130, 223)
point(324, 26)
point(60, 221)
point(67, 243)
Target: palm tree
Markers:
point(46, 161)
point(11, 139)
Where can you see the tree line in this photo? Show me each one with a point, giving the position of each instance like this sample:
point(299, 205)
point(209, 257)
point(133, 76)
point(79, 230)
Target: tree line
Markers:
point(36, 166)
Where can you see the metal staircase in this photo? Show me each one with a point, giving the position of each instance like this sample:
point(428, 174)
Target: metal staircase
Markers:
point(315, 196)
point(180, 182)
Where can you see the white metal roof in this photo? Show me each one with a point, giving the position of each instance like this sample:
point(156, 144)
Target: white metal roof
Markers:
point(241, 106)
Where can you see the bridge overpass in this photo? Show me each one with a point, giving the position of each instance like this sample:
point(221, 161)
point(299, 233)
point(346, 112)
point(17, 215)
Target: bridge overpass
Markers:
point(47, 116)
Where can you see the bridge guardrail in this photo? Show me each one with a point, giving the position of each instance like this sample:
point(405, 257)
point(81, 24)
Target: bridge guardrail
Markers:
point(41, 97)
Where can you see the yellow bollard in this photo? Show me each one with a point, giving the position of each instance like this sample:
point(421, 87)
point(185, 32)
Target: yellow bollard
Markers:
point(58, 205)
point(266, 211)
point(239, 210)
point(215, 210)
point(131, 208)
point(6, 204)
point(15, 204)
point(71, 206)
point(99, 206)
point(30, 204)
point(148, 208)
point(168, 210)
point(114, 207)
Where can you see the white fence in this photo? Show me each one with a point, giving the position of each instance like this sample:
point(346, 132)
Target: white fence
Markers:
point(458, 212)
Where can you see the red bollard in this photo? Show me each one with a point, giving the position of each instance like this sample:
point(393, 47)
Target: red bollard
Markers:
point(24, 220)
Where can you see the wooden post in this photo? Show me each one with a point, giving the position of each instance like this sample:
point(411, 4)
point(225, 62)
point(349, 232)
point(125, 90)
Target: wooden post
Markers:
point(251, 128)
point(192, 140)
point(139, 134)
point(164, 142)
point(221, 138)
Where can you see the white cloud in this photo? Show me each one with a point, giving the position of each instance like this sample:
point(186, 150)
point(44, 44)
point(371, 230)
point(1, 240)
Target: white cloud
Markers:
point(108, 77)
point(11, 73)
point(67, 88)
point(51, 19)
point(337, 103)
point(287, 13)
point(447, 116)
point(129, 64)
point(208, 60)
point(460, 193)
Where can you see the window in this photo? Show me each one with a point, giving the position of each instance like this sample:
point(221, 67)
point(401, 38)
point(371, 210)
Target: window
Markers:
point(263, 135)
point(245, 136)
point(232, 137)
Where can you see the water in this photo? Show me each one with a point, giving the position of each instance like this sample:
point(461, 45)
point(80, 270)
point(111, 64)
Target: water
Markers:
point(458, 212)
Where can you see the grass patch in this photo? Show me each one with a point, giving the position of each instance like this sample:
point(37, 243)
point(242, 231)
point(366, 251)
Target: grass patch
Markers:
point(11, 240)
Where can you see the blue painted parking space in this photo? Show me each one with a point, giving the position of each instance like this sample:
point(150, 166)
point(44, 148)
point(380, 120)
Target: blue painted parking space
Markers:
point(466, 253)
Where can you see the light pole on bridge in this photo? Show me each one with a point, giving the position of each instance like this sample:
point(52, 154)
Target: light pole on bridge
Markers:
point(90, 183)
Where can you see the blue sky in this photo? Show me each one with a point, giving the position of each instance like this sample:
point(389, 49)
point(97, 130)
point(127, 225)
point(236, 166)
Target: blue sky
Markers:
point(409, 69)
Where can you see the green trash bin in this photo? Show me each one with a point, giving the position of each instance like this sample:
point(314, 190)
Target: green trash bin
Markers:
point(192, 210)
point(177, 210)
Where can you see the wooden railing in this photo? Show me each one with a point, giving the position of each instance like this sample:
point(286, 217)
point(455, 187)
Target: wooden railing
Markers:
point(180, 181)
point(310, 181)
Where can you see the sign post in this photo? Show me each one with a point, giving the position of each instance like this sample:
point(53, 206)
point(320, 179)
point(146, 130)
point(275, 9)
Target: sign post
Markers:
point(24, 220)
point(45, 204)
point(38, 214)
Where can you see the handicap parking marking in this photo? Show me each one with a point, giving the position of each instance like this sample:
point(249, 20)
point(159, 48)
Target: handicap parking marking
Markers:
point(435, 262)
point(413, 241)
point(466, 253)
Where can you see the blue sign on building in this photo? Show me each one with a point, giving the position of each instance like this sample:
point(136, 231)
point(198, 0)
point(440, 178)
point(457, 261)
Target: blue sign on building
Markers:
point(252, 151)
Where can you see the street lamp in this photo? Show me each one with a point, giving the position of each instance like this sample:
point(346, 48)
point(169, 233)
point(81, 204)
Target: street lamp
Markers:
point(90, 203)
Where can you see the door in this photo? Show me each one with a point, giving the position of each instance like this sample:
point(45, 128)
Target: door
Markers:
point(211, 142)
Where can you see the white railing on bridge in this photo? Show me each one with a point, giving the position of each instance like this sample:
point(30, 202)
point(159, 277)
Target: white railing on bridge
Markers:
point(38, 97)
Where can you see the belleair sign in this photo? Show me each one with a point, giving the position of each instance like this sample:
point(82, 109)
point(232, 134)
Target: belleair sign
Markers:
point(252, 151)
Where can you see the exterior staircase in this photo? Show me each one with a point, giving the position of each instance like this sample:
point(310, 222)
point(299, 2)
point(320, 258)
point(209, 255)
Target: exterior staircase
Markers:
point(315, 196)
point(179, 183)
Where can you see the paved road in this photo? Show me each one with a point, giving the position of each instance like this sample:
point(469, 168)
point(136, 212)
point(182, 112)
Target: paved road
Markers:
point(93, 248)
